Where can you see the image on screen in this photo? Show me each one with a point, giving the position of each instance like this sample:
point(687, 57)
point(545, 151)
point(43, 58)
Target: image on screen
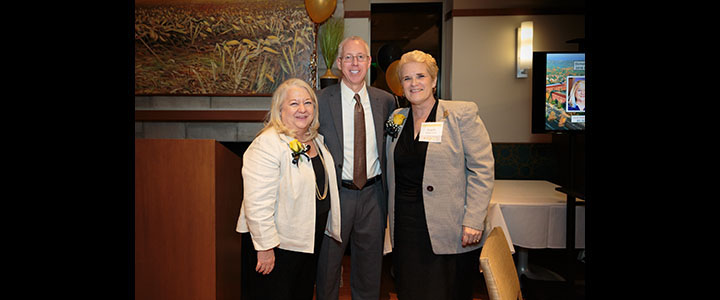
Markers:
point(565, 91)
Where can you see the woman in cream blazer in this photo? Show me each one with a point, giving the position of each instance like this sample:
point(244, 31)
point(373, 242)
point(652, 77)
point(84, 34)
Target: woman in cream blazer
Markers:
point(439, 191)
point(281, 230)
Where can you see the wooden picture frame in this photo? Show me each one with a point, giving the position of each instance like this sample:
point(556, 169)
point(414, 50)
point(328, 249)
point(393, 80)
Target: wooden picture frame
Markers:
point(222, 48)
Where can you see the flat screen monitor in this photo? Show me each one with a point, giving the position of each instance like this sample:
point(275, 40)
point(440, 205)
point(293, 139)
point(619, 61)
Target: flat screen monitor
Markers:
point(558, 92)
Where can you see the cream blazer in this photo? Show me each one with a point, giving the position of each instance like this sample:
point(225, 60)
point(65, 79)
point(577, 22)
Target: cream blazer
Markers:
point(278, 207)
point(458, 178)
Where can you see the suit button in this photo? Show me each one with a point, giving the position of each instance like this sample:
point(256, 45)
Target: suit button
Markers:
point(339, 166)
point(430, 188)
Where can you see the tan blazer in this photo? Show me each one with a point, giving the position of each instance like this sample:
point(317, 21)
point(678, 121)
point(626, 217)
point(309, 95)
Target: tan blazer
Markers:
point(458, 178)
point(278, 206)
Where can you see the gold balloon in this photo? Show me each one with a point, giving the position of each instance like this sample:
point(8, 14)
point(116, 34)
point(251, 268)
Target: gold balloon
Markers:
point(392, 79)
point(320, 10)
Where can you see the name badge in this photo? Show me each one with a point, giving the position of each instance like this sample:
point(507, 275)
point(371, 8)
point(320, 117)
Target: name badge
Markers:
point(431, 132)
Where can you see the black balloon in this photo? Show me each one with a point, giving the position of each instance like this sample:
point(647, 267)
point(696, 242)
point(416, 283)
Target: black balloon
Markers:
point(387, 54)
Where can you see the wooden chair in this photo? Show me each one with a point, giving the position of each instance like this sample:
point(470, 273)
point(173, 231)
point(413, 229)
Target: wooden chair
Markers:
point(498, 268)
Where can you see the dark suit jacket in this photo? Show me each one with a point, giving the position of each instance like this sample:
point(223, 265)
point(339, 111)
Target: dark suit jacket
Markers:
point(382, 104)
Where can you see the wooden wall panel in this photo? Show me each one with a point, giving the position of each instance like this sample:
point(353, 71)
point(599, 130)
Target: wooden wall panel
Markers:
point(180, 241)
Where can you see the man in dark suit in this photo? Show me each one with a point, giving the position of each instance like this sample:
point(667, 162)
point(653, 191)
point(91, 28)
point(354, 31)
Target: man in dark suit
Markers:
point(361, 178)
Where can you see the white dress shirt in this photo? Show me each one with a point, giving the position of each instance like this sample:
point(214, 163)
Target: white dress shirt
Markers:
point(348, 116)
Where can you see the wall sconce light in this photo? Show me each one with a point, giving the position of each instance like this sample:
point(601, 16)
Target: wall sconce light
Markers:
point(524, 48)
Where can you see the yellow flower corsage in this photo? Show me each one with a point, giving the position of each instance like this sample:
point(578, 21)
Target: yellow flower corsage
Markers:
point(298, 149)
point(393, 125)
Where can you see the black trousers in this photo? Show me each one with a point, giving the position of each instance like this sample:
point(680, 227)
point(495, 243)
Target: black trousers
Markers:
point(293, 276)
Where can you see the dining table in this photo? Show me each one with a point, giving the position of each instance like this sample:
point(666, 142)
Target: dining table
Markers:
point(532, 214)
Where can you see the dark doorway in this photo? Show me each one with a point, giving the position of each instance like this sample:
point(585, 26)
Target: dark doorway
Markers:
point(399, 28)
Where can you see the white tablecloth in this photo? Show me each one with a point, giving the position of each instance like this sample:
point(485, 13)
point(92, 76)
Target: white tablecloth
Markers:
point(534, 214)
point(495, 219)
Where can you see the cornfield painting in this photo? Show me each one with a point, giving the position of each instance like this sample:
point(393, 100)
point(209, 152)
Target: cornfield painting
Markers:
point(221, 47)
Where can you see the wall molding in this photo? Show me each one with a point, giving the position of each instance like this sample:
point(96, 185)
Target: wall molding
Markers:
point(488, 12)
point(200, 115)
point(356, 14)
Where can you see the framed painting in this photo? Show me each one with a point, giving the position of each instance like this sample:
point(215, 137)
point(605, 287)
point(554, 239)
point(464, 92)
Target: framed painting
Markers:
point(222, 47)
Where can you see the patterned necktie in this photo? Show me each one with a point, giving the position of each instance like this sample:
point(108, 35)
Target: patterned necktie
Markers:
point(359, 165)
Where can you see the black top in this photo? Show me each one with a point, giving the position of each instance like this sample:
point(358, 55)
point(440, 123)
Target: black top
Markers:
point(410, 161)
point(322, 207)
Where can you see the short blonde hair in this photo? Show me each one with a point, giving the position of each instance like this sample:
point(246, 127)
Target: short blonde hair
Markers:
point(274, 116)
point(419, 57)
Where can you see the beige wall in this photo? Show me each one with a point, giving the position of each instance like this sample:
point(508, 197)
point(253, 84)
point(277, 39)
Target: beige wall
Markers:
point(483, 68)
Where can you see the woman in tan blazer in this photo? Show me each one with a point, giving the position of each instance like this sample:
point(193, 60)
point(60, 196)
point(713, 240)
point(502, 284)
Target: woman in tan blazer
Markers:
point(290, 198)
point(441, 175)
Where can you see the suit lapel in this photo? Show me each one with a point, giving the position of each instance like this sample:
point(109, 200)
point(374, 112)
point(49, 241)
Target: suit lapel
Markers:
point(335, 103)
point(378, 115)
point(432, 147)
point(393, 142)
point(440, 113)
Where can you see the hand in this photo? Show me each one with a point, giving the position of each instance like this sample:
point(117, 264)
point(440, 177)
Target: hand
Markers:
point(266, 261)
point(471, 236)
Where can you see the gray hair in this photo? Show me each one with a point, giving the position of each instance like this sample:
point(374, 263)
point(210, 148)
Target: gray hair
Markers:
point(351, 38)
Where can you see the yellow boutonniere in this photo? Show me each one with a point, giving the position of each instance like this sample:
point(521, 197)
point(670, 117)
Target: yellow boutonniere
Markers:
point(298, 149)
point(398, 119)
point(295, 145)
point(393, 125)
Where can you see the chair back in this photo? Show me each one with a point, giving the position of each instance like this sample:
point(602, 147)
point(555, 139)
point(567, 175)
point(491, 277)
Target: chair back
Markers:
point(498, 268)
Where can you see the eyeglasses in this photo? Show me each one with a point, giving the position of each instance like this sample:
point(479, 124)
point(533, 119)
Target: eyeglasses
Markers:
point(349, 58)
